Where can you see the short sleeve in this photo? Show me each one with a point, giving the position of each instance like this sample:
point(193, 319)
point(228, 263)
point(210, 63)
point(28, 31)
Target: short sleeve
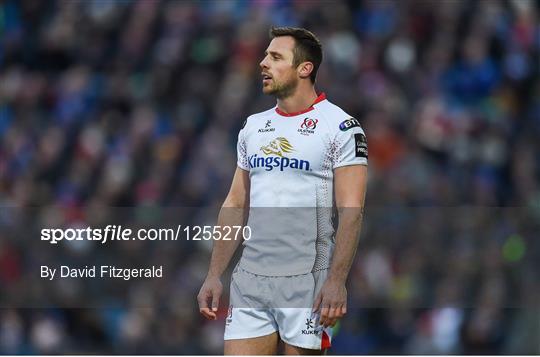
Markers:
point(350, 144)
point(241, 149)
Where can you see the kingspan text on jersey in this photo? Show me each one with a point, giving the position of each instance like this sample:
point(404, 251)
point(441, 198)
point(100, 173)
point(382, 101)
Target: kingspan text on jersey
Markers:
point(271, 162)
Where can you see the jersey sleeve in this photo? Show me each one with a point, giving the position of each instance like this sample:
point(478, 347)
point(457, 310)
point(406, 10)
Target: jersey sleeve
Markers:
point(350, 144)
point(241, 149)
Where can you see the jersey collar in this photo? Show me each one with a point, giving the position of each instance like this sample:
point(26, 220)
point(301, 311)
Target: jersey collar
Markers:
point(320, 98)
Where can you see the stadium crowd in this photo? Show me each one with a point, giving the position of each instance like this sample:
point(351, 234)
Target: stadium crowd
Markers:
point(118, 103)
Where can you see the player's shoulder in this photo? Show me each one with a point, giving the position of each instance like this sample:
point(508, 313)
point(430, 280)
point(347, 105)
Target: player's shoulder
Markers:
point(338, 118)
point(331, 110)
point(259, 117)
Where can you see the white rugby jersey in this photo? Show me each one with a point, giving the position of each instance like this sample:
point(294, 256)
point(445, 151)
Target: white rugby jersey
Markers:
point(290, 159)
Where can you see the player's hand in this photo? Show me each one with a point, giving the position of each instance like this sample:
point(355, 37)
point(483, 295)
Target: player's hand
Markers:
point(331, 302)
point(210, 293)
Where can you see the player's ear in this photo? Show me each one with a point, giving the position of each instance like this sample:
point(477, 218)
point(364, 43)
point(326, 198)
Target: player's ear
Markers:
point(305, 69)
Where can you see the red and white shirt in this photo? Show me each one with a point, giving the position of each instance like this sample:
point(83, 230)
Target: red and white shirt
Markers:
point(290, 159)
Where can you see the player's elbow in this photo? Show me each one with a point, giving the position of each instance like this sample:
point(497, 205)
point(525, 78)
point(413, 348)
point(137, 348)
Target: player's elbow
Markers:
point(351, 215)
point(233, 201)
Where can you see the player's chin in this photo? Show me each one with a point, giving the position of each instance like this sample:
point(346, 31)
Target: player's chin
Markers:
point(267, 89)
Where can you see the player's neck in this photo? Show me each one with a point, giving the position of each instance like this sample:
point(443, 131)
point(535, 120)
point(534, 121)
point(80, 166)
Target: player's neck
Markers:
point(300, 100)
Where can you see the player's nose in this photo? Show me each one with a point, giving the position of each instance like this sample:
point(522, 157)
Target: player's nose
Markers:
point(264, 63)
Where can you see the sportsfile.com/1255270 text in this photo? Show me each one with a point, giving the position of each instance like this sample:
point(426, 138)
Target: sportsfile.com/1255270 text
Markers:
point(120, 233)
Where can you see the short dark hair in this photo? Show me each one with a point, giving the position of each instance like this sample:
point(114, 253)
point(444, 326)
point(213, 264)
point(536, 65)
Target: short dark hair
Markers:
point(308, 47)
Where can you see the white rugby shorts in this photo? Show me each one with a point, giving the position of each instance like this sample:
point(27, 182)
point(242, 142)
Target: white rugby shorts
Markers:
point(261, 305)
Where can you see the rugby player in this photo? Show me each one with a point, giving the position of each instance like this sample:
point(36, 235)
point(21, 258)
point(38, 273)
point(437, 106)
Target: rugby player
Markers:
point(305, 152)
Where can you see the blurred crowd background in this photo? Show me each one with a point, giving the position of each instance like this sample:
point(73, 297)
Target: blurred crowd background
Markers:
point(107, 103)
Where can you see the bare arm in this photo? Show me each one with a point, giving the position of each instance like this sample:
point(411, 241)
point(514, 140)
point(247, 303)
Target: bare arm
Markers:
point(350, 190)
point(233, 213)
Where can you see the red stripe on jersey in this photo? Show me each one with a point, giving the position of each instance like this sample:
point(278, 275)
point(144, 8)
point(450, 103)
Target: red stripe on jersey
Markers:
point(320, 98)
point(325, 341)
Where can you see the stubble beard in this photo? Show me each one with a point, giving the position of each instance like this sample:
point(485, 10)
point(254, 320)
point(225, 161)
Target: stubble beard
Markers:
point(282, 90)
